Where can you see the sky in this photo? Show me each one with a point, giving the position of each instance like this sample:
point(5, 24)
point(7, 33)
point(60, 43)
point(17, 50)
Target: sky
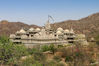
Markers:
point(37, 11)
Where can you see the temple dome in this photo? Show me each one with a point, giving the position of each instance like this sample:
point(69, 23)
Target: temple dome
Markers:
point(71, 31)
point(36, 35)
point(24, 36)
point(59, 29)
point(59, 32)
point(22, 31)
point(18, 32)
point(66, 31)
point(31, 29)
point(37, 29)
point(12, 35)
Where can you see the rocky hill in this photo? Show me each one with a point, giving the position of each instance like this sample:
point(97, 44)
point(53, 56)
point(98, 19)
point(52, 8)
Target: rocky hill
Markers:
point(88, 25)
point(7, 28)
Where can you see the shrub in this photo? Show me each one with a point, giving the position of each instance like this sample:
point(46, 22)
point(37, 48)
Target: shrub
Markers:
point(6, 52)
point(48, 48)
point(4, 39)
point(68, 59)
point(19, 51)
point(60, 46)
point(45, 48)
point(39, 57)
point(10, 52)
point(78, 55)
point(97, 39)
point(30, 61)
point(52, 48)
point(57, 58)
point(32, 50)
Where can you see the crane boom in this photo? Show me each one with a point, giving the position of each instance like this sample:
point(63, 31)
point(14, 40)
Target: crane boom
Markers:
point(50, 17)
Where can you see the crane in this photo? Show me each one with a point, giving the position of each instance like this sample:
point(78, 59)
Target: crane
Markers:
point(50, 17)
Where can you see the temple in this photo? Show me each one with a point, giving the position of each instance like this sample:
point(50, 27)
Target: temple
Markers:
point(45, 35)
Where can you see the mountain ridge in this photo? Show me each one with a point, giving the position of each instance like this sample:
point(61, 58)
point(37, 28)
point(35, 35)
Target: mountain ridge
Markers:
point(88, 25)
point(7, 28)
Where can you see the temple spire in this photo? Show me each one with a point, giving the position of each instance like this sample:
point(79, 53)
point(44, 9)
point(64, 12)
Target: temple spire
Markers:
point(47, 25)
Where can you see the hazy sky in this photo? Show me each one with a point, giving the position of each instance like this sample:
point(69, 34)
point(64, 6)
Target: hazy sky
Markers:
point(37, 11)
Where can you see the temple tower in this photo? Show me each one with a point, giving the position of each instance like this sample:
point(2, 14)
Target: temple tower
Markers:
point(47, 25)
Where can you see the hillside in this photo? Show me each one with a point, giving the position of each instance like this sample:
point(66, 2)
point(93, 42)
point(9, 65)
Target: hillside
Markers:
point(88, 25)
point(7, 28)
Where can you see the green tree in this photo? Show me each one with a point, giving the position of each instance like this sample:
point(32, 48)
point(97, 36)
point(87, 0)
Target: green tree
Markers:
point(52, 48)
point(45, 48)
point(9, 51)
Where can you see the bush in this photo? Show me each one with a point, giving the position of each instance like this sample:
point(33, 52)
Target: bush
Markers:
point(32, 50)
point(10, 52)
point(68, 59)
point(97, 39)
point(48, 48)
point(52, 48)
point(4, 39)
point(30, 61)
point(19, 51)
point(57, 58)
point(39, 57)
point(45, 48)
point(6, 51)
